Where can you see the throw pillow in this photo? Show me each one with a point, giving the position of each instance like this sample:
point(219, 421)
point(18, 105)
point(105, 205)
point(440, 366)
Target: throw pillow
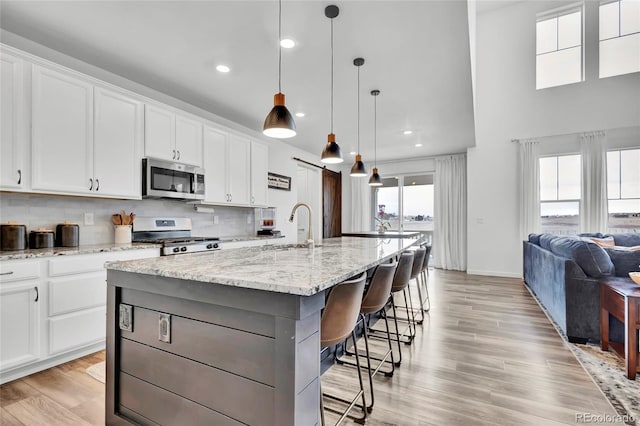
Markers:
point(627, 240)
point(545, 240)
point(625, 261)
point(592, 258)
point(534, 239)
point(604, 242)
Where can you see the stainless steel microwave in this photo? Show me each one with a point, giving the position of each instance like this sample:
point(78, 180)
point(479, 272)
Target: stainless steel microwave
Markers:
point(165, 179)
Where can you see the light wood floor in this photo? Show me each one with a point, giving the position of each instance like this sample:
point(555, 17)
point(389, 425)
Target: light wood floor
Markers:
point(486, 355)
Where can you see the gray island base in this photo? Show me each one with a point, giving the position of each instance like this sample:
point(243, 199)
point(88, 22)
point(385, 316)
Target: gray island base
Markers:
point(225, 338)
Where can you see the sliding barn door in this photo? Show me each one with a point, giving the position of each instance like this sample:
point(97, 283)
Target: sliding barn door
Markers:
point(332, 204)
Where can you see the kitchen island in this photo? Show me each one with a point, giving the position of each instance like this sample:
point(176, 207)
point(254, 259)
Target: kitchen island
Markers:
point(227, 337)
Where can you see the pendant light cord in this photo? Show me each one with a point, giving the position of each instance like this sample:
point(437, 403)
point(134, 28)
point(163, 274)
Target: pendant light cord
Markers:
point(331, 75)
point(358, 110)
point(375, 131)
point(279, 46)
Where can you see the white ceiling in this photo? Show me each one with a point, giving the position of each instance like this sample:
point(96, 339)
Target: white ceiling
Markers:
point(416, 53)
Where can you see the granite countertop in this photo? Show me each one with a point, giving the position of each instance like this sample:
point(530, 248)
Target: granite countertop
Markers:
point(290, 269)
point(67, 251)
point(250, 238)
point(386, 234)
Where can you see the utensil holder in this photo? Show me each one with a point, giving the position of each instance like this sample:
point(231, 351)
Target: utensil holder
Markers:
point(123, 234)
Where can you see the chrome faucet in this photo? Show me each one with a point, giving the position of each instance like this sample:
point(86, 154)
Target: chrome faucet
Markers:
point(310, 242)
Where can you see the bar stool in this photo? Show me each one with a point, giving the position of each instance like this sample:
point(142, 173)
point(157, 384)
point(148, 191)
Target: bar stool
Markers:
point(337, 322)
point(425, 277)
point(400, 283)
point(375, 299)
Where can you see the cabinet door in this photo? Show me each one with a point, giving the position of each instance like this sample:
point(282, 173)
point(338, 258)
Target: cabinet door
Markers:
point(215, 165)
point(62, 133)
point(11, 131)
point(19, 324)
point(117, 145)
point(188, 141)
point(159, 133)
point(259, 171)
point(239, 163)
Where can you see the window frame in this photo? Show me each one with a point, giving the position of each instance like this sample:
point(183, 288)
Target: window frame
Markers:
point(617, 37)
point(556, 14)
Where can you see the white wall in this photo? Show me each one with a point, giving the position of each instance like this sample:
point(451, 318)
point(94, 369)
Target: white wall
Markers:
point(509, 107)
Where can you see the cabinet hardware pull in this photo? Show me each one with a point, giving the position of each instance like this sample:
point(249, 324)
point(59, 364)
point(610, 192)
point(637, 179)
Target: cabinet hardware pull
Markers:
point(7, 273)
point(178, 155)
point(91, 186)
point(37, 294)
point(97, 184)
point(230, 197)
point(19, 176)
point(174, 154)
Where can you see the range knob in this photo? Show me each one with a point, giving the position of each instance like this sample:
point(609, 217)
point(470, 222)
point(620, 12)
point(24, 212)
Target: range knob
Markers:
point(210, 246)
point(176, 249)
point(215, 246)
point(183, 248)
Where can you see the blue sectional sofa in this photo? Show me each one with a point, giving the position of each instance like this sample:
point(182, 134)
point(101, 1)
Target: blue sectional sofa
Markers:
point(563, 274)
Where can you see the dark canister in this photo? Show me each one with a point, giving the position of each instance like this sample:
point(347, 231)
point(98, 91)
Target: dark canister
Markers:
point(41, 238)
point(14, 236)
point(67, 235)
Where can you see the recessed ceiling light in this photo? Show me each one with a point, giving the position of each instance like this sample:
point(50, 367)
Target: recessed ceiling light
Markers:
point(223, 68)
point(287, 43)
point(352, 153)
point(407, 132)
point(418, 145)
point(299, 114)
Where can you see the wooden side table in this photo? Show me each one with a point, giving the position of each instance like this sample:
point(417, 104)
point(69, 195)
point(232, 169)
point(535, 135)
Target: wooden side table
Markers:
point(622, 300)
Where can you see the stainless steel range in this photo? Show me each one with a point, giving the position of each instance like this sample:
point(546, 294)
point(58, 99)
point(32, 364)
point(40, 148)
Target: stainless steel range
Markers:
point(173, 233)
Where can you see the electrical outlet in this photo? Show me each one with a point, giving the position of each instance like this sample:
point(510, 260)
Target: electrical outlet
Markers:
point(88, 218)
point(216, 220)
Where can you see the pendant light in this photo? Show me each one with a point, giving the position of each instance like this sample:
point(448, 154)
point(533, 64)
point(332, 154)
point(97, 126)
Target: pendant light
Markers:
point(279, 122)
point(358, 169)
point(375, 180)
point(331, 153)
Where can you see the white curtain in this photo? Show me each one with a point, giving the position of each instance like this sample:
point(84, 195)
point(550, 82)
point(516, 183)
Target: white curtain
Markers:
point(361, 211)
point(529, 187)
point(450, 193)
point(593, 208)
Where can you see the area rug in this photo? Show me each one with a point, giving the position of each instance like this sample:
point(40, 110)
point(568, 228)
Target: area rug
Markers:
point(97, 371)
point(607, 370)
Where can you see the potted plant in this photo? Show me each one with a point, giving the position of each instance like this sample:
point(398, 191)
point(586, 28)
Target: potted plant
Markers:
point(383, 226)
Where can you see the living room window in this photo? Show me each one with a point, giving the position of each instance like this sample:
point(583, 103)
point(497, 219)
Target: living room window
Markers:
point(560, 187)
point(619, 37)
point(623, 189)
point(559, 53)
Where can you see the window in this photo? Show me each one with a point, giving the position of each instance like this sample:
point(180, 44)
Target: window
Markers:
point(560, 190)
point(406, 202)
point(623, 189)
point(619, 37)
point(559, 48)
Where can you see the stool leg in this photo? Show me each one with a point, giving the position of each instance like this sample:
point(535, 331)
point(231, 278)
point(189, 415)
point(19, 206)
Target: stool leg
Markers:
point(397, 333)
point(393, 364)
point(321, 404)
point(366, 347)
point(411, 318)
point(418, 283)
point(425, 281)
point(364, 402)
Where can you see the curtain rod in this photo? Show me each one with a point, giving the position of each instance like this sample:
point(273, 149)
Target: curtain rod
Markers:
point(306, 162)
point(547, 137)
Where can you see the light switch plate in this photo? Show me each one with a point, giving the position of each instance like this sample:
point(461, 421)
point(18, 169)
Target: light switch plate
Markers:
point(164, 328)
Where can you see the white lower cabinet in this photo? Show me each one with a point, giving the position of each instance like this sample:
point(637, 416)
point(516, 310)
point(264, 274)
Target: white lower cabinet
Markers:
point(53, 310)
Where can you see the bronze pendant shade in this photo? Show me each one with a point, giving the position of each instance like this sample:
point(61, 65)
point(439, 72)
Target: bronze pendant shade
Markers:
point(331, 154)
point(279, 122)
point(375, 180)
point(358, 169)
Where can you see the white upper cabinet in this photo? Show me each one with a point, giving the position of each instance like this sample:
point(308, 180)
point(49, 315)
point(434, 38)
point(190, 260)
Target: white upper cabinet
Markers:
point(259, 171)
point(62, 133)
point(118, 138)
point(172, 137)
point(227, 162)
point(12, 172)
point(215, 165)
point(188, 141)
point(239, 165)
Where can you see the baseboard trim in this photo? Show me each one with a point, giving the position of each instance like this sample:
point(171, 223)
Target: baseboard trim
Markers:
point(494, 274)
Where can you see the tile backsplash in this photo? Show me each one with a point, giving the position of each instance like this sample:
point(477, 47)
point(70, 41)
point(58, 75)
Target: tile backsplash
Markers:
point(46, 211)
